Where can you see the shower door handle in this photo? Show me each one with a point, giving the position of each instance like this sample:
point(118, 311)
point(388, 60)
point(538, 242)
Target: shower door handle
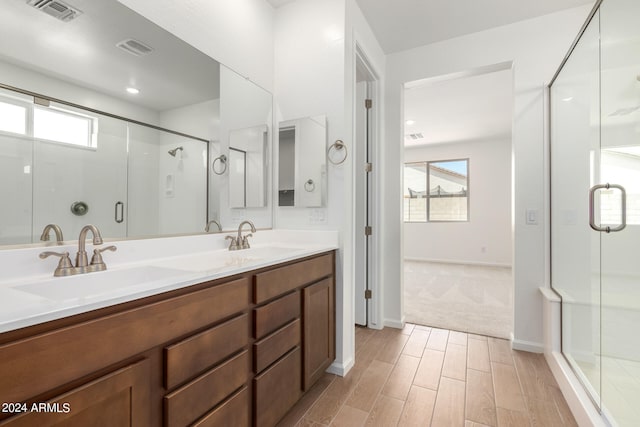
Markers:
point(623, 203)
point(119, 214)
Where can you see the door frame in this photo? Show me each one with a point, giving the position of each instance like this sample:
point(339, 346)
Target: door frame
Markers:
point(374, 305)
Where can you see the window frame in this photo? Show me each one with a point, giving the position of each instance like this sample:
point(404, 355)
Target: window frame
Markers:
point(28, 115)
point(92, 131)
point(427, 164)
point(30, 108)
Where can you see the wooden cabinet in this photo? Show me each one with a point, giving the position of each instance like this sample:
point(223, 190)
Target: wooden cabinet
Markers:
point(319, 330)
point(277, 389)
point(120, 398)
point(235, 351)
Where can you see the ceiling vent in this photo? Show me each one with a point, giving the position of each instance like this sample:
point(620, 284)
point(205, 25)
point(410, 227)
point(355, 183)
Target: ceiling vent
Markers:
point(134, 47)
point(413, 136)
point(56, 8)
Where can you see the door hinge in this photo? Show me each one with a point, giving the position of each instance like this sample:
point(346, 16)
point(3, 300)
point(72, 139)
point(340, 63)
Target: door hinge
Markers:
point(368, 103)
point(368, 167)
point(367, 230)
point(367, 294)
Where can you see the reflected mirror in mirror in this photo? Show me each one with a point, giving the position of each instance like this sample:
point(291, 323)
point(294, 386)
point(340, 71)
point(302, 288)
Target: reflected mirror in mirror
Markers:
point(247, 171)
point(112, 113)
point(302, 179)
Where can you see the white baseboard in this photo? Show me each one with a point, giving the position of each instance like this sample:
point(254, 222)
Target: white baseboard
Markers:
point(461, 262)
point(341, 369)
point(583, 410)
point(392, 323)
point(532, 347)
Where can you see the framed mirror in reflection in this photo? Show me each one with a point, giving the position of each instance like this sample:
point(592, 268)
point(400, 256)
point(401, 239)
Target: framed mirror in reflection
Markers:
point(247, 171)
point(106, 118)
point(302, 177)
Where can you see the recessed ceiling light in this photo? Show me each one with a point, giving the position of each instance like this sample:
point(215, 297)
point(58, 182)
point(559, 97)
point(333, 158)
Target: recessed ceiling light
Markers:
point(410, 122)
point(133, 90)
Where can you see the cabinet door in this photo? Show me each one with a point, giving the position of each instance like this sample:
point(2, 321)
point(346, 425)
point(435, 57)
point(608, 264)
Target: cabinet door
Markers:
point(318, 330)
point(120, 398)
point(277, 389)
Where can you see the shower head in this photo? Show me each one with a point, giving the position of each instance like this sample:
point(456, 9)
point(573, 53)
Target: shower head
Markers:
point(174, 151)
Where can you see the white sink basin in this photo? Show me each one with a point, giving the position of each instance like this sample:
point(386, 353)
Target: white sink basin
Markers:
point(103, 283)
point(221, 260)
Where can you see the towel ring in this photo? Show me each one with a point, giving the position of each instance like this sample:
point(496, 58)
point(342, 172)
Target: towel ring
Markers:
point(309, 186)
point(223, 160)
point(337, 146)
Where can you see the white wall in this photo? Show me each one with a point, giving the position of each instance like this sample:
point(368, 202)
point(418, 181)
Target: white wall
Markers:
point(33, 81)
point(238, 33)
point(489, 224)
point(184, 211)
point(243, 106)
point(536, 48)
point(315, 75)
point(309, 81)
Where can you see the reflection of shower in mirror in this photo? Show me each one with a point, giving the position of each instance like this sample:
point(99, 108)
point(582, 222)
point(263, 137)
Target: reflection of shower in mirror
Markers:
point(174, 151)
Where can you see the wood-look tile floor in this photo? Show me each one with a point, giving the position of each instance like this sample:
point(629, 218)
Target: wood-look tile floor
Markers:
point(422, 376)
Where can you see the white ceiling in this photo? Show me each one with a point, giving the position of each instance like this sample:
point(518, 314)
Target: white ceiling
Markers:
point(461, 109)
point(83, 52)
point(405, 24)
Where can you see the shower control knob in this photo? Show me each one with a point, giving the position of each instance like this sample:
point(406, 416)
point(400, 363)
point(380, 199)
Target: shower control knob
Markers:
point(79, 208)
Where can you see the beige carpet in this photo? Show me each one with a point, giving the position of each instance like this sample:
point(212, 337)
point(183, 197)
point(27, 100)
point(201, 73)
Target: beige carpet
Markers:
point(460, 297)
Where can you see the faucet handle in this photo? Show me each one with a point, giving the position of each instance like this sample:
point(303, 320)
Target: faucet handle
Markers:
point(245, 241)
point(97, 260)
point(233, 246)
point(64, 268)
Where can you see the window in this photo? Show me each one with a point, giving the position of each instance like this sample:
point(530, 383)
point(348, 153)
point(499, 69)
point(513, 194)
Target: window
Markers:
point(58, 123)
point(13, 118)
point(436, 191)
point(63, 126)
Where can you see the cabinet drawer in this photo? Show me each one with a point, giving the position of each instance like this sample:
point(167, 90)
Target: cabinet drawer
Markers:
point(269, 349)
point(277, 389)
point(275, 314)
point(235, 412)
point(193, 355)
point(281, 280)
point(190, 402)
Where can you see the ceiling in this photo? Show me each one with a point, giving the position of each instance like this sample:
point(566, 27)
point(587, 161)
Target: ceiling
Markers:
point(405, 24)
point(83, 52)
point(471, 108)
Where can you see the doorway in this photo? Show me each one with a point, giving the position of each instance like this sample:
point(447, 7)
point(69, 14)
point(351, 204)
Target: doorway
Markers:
point(365, 108)
point(457, 203)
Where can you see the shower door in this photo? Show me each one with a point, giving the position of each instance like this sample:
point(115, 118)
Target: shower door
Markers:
point(595, 155)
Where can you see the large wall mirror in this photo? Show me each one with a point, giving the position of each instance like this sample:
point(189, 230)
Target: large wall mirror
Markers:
point(302, 172)
point(108, 119)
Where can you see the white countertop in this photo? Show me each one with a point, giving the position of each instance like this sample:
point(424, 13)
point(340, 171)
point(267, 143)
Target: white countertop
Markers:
point(31, 299)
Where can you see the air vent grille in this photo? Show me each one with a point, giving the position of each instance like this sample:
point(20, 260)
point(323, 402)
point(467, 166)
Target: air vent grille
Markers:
point(134, 47)
point(56, 8)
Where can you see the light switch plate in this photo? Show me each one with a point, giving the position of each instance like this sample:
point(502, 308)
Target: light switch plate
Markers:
point(532, 216)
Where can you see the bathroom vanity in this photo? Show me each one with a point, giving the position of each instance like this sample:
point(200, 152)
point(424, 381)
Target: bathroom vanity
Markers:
point(235, 350)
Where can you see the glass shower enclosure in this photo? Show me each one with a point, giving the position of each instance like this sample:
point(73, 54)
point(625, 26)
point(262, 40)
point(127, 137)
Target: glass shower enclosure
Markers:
point(595, 207)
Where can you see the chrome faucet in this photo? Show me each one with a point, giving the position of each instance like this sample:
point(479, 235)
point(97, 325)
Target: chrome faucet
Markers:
point(241, 242)
point(207, 228)
point(66, 268)
point(56, 229)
